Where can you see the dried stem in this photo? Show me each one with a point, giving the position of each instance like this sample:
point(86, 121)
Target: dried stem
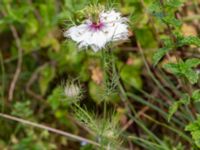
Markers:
point(32, 80)
point(60, 132)
point(19, 62)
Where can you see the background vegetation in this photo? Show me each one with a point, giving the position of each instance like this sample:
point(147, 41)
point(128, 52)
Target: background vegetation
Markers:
point(158, 66)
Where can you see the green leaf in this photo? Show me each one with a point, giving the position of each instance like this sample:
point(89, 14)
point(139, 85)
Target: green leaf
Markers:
point(185, 69)
point(146, 38)
point(196, 95)
point(172, 109)
point(192, 127)
point(192, 76)
point(131, 75)
point(172, 21)
point(193, 62)
point(55, 98)
point(196, 135)
point(47, 74)
point(190, 40)
point(160, 53)
point(99, 94)
point(174, 68)
point(185, 100)
point(22, 109)
point(175, 3)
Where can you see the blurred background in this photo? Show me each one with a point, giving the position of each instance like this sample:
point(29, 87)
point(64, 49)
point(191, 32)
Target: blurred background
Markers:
point(35, 59)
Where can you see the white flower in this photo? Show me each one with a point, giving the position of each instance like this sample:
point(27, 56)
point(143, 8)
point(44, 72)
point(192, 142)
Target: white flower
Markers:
point(110, 27)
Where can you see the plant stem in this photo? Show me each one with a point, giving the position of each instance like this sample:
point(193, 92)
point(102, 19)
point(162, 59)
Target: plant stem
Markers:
point(151, 74)
point(64, 133)
point(3, 81)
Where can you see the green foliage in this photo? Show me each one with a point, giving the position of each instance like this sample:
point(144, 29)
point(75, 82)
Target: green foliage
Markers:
point(196, 96)
point(57, 98)
point(131, 76)
point(194, 129)
point(185, 69)
point(185, 100)
point(22, 109)
point(39, 142)
point(47, 74)
point(190, 40)
point(159, 54)
point(145, 37)
point(99, 93)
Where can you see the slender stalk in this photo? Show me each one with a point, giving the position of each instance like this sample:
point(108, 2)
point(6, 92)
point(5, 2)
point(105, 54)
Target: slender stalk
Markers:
point(160, 111)
point(60, 132)
point(3, 81)
point(148, 131)
point(186, 137)
point(150, 73)
point(104, 109)
point(19, 62)
point(121, 87)
point(149, 145)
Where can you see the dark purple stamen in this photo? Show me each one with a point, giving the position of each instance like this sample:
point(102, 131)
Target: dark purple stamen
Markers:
point(96, 26)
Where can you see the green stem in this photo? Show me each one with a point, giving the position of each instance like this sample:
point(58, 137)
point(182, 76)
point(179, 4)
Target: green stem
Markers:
point(151, 74)
point(177, 131)
point(146, 143)
point(160, 111)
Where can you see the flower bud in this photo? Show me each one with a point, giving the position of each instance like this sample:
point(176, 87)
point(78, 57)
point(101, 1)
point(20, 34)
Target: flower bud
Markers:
point(72, 90)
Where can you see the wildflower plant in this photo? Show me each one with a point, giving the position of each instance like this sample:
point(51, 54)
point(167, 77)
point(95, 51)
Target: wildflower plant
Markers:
point(98, 31)
point(100, 28)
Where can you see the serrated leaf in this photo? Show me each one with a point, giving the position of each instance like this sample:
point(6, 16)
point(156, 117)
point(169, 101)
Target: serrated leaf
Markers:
point(174, 68)
point(190, 40)
point(173, 108)
point(160, 53)
point(184, 69)
point(192, 76)
point(22, 109)
point(192, 127)
point(185, 99)
point(193, 62)
point(196, 135)
point(196, 96)
point(172, 21)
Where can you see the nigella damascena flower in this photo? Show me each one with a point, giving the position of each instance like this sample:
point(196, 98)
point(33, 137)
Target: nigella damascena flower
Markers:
point(108, 26)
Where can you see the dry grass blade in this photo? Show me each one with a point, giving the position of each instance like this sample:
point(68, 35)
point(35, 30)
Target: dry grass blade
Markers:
point(64, 133)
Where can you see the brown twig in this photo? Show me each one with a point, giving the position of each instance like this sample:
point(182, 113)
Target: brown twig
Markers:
point(19, 62)
point(141, 112)
point(32, 80)
point(64, 133)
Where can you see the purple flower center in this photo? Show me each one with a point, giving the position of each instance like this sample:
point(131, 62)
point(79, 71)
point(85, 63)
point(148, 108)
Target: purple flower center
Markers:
point(96, 26)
